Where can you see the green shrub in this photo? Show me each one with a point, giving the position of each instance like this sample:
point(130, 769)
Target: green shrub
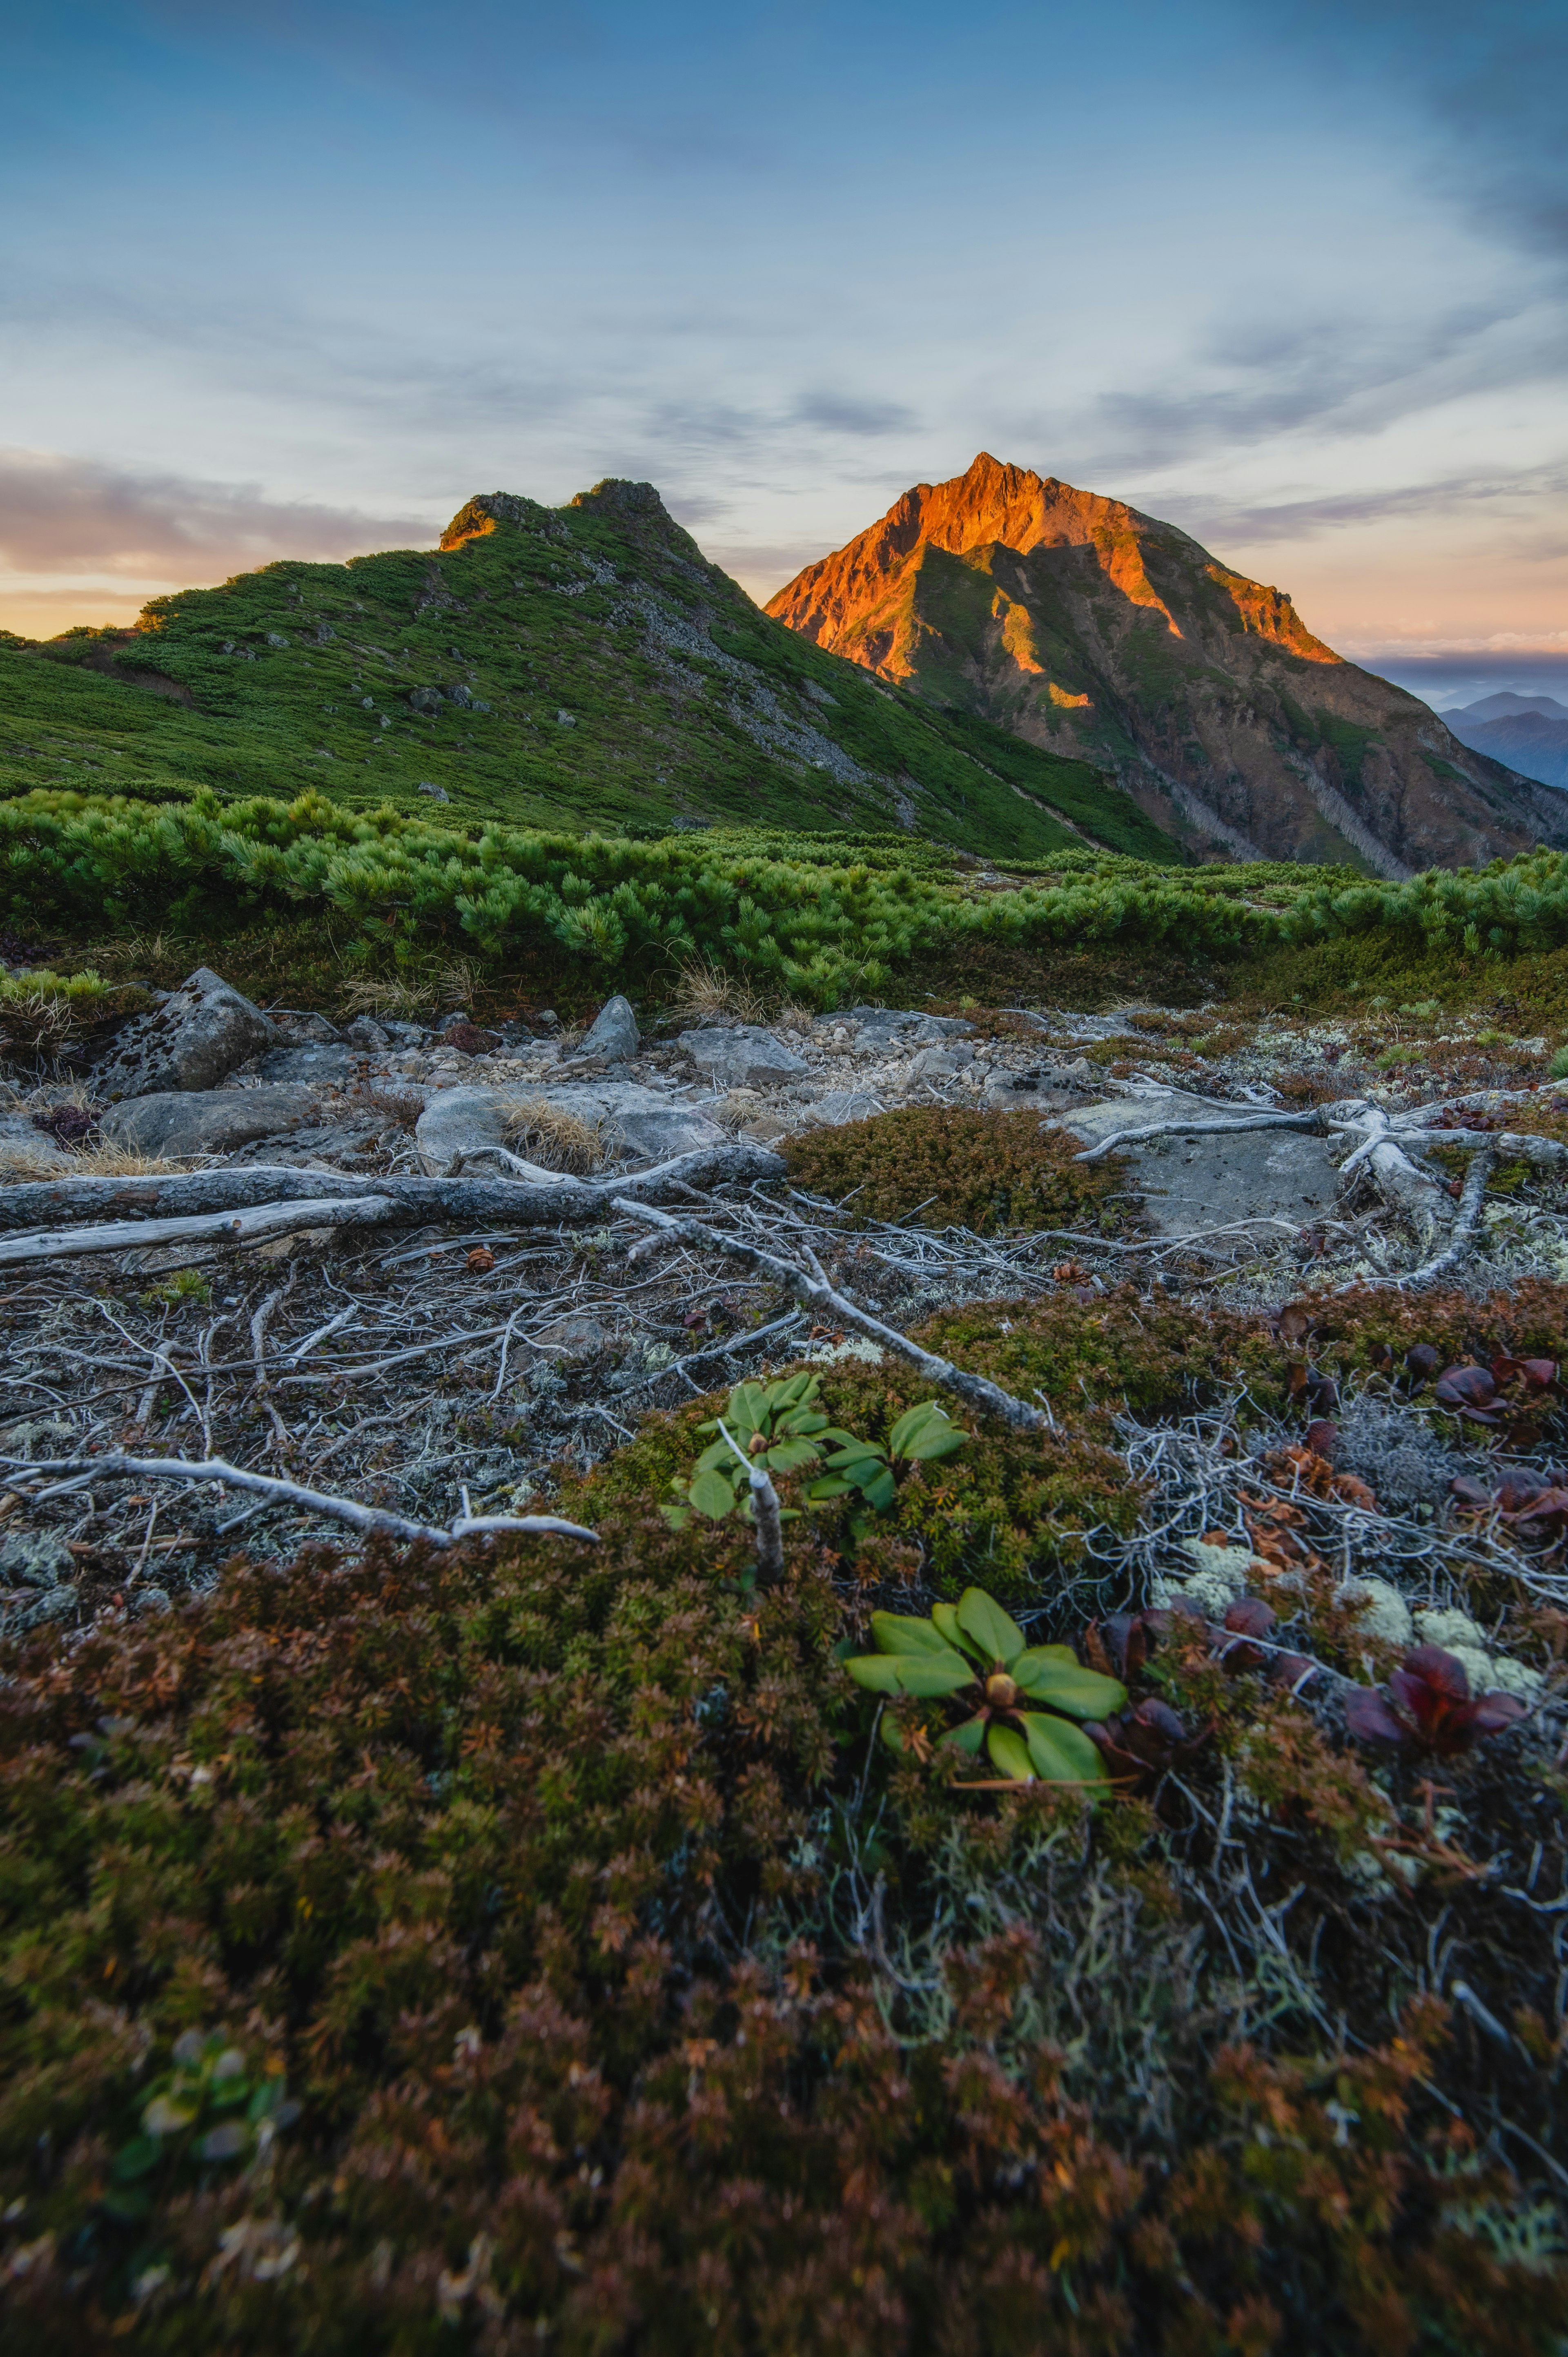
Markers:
point(949, 1166)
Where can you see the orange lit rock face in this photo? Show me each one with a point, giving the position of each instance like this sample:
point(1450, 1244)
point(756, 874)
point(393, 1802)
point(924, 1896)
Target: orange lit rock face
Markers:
point(1089, 629)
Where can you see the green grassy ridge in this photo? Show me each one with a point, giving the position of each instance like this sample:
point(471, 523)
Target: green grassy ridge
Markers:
point(817, 919)
point(616, 681)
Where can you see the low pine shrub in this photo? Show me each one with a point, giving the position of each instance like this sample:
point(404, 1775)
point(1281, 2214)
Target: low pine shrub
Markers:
point(949, 1166)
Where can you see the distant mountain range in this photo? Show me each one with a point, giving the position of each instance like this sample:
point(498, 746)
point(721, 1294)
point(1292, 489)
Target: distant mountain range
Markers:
point(1529, 732)
point(572, 668)
point(1085, 627)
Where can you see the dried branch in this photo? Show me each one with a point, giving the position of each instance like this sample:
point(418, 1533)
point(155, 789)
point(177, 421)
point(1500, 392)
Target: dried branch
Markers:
point(290, 1494)
point(817, 1294)
point(1459, 1243)
point(216, 1227)
point(513, 1204)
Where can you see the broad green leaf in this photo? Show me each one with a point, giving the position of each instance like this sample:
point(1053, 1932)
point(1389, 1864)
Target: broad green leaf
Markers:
point(878, 1672)
point(900, 1632)
point(924, 1432)
point(1061, 1753)
point(967, 1738)
point(794, 1390)
point(945, 1618)
point(1037, 1653)
point(924, 1673)
point(880, 1490)
point(164, 2116)
point(747, 1405)
point(711, 1495)
point(999, 1638)
point(857, 1454)
point(134, 2159)
point(808, 1422)
point(818, 1492)
point(892, 1735)
point(788, 1456)
point(833, 1439)
point(1067, 1685)
point(720, 1454)
point(1009, 1753)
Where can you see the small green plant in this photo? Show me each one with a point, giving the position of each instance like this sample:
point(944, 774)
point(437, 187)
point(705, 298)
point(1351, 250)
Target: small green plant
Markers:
point(780, 1428)
point(184, 1285)
point(975, 1649)
point(1558, 1068)
point(212, 2109)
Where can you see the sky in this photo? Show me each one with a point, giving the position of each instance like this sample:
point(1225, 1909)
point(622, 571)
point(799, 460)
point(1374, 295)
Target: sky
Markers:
point(297, 277)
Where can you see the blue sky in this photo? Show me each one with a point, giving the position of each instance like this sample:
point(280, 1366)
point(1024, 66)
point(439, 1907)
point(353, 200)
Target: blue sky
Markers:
point(299, 279)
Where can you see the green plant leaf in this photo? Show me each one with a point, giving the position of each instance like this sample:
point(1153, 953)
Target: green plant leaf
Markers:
point(877, 1673)
point(944, 1617)
point(830, 1486)
point(788, 1456)
point(880, 1490)
point(969, 1737)
point(720, 1455)
point(924, 1432)
point(1061, 1753)
point(1009, 1753)
point(999, 1637)
point(859, 1460)
point(900, 1632)
point(1067, 1685)
point(136, 2158)
point(922, 1674)
point(711, 1495)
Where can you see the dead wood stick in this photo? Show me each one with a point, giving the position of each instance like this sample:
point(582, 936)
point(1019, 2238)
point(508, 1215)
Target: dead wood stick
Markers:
point(291, 1493)
point(506, 1202)
point(817, 1294)
point(1180, 1125)
point(215, 1227)
point(1460, 1242)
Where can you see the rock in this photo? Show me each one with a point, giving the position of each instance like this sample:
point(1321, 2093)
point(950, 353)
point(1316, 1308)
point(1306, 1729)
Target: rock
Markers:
point(318, 1064)
point(571, 1338)
point(22, 1143)
point(836, 1106)
point(744, 1057)
point(436, 793)
point(614, 1034)
point(195, 1039)
point(210, 1121)
point(1193, 1183)
point(149, 1600)
point(404, 1035)
point(884, 1029)
point(363, 1033)
point(315, 1028)
point(941, 1064)
point(640, 1125)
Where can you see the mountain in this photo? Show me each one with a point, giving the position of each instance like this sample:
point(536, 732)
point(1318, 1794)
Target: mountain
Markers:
point(1087, 627)
point(1529, 732)
point(581, 667)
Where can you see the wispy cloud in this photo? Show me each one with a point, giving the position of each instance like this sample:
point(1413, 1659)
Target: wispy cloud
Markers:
point(65, 515)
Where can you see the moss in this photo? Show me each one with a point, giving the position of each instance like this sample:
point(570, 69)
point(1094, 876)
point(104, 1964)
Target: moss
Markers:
point(950, 1166)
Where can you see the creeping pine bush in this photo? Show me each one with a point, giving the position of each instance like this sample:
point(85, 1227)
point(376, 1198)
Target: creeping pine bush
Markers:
point(814, 919)
point(952, 1166)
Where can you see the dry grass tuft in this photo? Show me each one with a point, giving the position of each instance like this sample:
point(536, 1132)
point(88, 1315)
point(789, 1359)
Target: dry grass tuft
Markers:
point(556, 1139)
point(402, 1000)
point(458, 983)
point(19, 1161)
point(706, 993)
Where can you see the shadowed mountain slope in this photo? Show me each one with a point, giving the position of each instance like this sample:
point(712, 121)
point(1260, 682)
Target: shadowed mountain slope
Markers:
point(1087, 627)
point(578, 667)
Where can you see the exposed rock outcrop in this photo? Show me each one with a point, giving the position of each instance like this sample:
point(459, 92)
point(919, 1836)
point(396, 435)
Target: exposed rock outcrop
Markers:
point(1087, 627)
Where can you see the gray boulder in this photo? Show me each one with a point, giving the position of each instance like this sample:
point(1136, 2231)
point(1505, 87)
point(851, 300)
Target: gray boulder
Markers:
point(942, 1063)
point(743, 1056)
point(36, 1558)
point(639, 1126)
point(195, 1039)
point(212, 1120)
point(835, 1106)
point(885, 1029)
point(614, 1035)
point(21, 1143)
point(364, 1033)
point(318, 1064)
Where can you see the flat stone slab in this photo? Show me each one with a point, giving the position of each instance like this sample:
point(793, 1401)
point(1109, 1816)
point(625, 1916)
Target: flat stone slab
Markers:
point(1189, 1184)
point(205, 1121)
point(885, 1029)
point(309, 1063)
point(836, 1106)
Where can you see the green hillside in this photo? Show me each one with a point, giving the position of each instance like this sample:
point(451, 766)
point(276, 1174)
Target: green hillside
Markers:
point(565, 667)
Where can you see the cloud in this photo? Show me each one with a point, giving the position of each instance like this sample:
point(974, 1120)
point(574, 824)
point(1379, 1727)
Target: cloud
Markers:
point(1299, 520)
point(840, 413)
point(64, 515)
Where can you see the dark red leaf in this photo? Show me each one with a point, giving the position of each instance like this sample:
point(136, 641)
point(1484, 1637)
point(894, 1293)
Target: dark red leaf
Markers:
point(1438, 1670)
point(1292, 1669)
point(1540, 1373)
point(1496, 1711)
point(1368, 1717)
point(1423, 1361)
point(1322, 1395)
point(1468, 1391)
point(1323, 1439)
point(1249, 1617)
point(1545, 1506)
point(1467, 1492)
point(1295, 1320)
